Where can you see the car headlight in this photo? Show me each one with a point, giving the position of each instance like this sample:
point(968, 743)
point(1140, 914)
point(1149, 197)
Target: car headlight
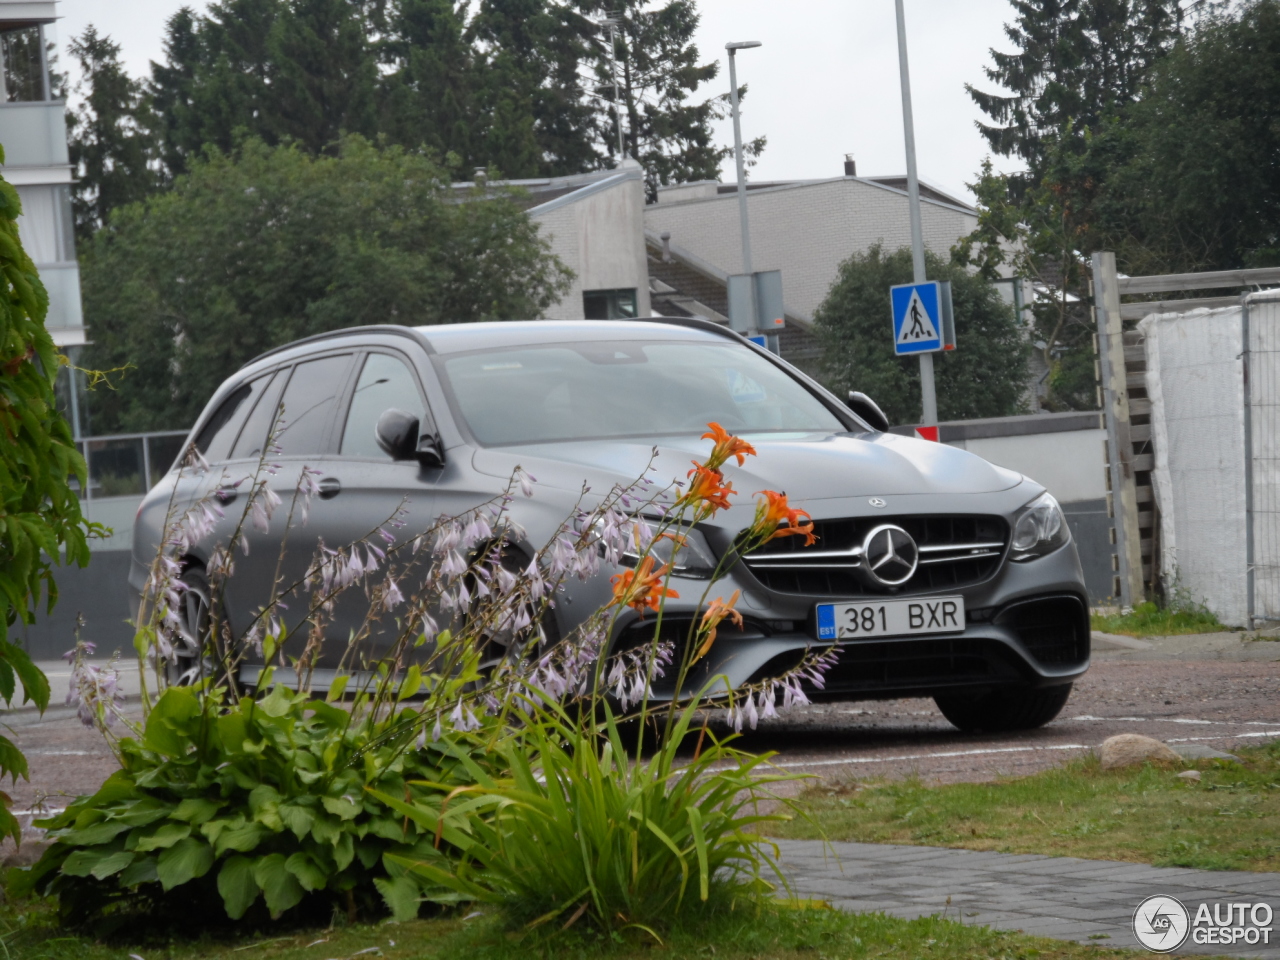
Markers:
point(693, 559)
point(1040, 530)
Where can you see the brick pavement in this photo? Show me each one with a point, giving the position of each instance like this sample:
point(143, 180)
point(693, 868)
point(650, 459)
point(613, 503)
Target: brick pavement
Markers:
point(1089, 901)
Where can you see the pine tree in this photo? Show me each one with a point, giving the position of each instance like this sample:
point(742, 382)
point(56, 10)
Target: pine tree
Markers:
point(1075, 60)
point(110, 147)
point(658, 72)
point(428, 93)
point(534, 112)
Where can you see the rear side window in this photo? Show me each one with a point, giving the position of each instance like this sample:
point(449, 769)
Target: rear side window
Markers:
point(385, 382)
point(258, 424)
point(214, 439)
point(309, 403)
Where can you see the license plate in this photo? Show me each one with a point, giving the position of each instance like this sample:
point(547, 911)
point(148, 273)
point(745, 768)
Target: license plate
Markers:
point(890, 618)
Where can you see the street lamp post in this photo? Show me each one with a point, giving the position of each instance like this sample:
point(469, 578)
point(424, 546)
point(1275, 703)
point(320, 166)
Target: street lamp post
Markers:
point(733, 48)
point(928, 394)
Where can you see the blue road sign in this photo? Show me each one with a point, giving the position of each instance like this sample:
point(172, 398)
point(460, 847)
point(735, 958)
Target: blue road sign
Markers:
point(760, 340)
point(917, 318)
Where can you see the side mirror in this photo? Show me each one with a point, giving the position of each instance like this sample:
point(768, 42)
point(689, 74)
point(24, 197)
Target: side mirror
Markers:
point(867, 409)
point(397, 434)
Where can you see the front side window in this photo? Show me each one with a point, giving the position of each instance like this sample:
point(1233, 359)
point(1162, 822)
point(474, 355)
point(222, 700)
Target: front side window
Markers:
point(385, 382)
point(22, 64)
point(258, 424)
point(617, 389)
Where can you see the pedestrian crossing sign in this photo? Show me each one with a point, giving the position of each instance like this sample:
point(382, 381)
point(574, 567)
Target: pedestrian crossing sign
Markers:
point(917, 318)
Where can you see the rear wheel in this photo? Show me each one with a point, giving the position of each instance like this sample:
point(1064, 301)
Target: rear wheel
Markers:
point(1003, 709)
point(190, 661)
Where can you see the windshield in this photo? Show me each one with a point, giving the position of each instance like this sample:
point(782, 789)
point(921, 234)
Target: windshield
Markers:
point(626, 388)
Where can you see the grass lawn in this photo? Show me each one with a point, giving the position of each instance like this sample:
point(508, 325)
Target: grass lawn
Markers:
point(749, 932)
point(1228, 821)
point(1148, 620)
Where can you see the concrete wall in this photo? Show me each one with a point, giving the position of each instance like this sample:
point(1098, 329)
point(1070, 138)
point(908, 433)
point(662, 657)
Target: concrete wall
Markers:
point(805, 230)
point(598, 231)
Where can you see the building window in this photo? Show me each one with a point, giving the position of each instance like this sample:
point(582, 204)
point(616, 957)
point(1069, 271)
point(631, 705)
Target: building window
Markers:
point(609, 304)
point(22, 65)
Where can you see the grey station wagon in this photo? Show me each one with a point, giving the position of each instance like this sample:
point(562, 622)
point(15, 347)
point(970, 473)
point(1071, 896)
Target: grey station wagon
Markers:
point(934, 573)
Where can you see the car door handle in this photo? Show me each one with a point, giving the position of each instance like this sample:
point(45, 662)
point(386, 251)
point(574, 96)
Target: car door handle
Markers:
point(330, 487)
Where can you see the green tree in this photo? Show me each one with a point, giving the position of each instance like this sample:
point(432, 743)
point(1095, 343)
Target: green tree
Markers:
point(302, 71)
point(535, 117)
point(1040, 238)
point(1188, 177)
point(253, 250)
point(428, 94)
point(985, 376)
point(40, 521)
point(107, 135)
point(1075, 62)
point(665, 127)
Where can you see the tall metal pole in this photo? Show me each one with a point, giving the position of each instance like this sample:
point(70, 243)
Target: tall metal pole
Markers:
point(737, 154)
point(617, 102)
point(928, 395)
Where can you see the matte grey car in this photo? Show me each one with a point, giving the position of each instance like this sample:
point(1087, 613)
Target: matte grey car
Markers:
point(934, 573)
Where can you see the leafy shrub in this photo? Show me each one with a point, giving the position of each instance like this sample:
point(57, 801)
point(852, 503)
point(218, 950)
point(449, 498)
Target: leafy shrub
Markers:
point(220, 805)
point(579, 828)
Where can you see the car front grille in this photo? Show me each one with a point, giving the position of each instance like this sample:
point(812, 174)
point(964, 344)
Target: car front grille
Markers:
point(955, 551)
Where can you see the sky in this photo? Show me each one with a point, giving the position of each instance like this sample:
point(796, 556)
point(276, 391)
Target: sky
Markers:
point(824, 84)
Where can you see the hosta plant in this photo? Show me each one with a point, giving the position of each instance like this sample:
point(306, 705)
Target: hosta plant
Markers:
point(263, 803)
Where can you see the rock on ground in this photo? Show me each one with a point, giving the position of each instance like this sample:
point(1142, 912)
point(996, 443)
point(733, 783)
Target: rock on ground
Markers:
point(1128, 749)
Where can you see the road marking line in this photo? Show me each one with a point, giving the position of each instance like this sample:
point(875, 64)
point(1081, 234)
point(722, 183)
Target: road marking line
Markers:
point(927, 756)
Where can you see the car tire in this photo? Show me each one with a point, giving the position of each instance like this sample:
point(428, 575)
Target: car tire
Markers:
point(1004, 709)
point(191, 644)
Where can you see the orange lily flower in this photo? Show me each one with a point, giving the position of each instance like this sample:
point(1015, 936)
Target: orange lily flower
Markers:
point(727, 445)
point(717, 611)
point(640, 589)
point(774, 519)
point(708, 489)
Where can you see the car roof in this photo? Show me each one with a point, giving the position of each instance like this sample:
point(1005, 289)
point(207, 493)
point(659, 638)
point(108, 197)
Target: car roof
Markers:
point(462, 337)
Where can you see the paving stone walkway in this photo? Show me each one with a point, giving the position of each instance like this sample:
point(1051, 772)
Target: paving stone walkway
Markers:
point(1089, 901)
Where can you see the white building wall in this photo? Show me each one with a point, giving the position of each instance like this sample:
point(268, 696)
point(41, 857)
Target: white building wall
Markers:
point(598, 232)
point(805, 230)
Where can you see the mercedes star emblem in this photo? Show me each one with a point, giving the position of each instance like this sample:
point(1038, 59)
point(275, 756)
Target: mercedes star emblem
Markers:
point(877, 502)
point(890, 555)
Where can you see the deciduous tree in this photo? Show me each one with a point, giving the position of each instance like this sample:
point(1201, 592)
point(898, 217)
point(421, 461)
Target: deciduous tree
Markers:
point(252, 250)
point(985, 376)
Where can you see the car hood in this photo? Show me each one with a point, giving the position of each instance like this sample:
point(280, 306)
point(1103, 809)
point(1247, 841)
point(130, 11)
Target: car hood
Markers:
point(804, 466)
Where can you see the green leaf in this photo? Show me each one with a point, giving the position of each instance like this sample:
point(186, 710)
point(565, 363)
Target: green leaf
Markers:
point(307, 871)
point(196, 810)
point(183, 862)
point(166, 836)
point(343, 807)
point(243, 838)
point(296, 818)
point(400, 896)
point(82, 863)
point(35, 685)
point(140, 871)
point(280, 887)
point(112, 863)
point(167, 726)
point(237, 885)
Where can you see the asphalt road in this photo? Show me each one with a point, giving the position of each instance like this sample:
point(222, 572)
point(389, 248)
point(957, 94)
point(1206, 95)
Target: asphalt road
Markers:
point(1217, 690)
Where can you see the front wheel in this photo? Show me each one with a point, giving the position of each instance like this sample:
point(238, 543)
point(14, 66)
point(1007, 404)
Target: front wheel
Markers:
point(1005, 709)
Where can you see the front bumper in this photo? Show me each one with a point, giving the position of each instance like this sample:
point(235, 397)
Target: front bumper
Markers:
point(1027, 626)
